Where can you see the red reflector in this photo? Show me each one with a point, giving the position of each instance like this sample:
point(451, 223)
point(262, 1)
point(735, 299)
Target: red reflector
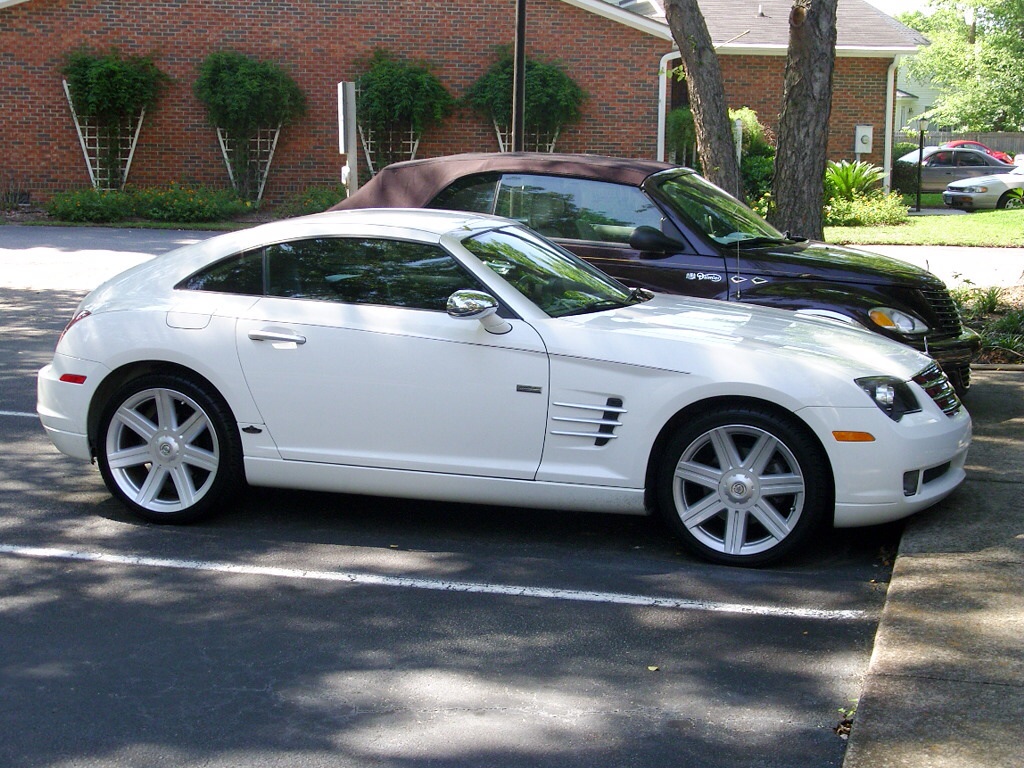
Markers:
point(73, 378)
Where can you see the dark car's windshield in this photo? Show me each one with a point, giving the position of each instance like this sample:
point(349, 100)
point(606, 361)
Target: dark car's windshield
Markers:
point(552, 278)
point(708, 209)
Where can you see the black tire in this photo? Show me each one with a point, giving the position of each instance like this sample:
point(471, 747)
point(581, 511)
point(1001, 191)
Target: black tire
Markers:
point(168, 448)
point(1012, 199)
point(744, 486)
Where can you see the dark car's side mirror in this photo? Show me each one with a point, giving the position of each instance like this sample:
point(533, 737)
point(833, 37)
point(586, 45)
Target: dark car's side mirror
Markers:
point(645, 238)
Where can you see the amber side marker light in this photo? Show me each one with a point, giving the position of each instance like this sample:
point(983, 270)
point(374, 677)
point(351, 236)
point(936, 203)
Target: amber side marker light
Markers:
point(73, 378)
point(853, 437)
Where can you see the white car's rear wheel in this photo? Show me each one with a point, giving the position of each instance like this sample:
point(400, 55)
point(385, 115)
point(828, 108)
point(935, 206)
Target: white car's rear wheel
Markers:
point(743, 486)
point(168, 449)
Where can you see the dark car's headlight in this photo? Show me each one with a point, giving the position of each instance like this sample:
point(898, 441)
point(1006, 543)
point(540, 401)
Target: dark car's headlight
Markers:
point(893, 396)
point(894, 320)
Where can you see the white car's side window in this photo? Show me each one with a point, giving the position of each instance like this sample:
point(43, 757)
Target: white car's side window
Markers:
point(365, 271)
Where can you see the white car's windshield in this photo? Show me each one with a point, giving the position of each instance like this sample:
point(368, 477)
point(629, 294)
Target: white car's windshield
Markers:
point(718, 215)
point(552, 278)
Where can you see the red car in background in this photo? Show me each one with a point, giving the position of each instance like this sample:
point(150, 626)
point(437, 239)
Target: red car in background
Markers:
point(978, 145)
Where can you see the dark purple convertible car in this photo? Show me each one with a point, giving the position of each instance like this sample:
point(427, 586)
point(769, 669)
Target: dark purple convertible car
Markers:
point(663, 227)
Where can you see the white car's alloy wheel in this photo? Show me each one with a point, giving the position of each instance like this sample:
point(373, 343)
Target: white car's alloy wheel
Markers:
point(166, 449)
point(742, 487)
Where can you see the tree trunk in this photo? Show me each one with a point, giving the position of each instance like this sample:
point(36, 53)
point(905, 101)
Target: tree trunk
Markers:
point(707, 95)
point(799, 184)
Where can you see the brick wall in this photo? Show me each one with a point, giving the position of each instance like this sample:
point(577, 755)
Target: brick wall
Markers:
point(322, 42)
point(319, 42)
point(858, 97)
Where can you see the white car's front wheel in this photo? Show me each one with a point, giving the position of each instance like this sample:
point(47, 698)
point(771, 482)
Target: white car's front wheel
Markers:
point(168, 448)
point(1011, 199)
point(743, 486)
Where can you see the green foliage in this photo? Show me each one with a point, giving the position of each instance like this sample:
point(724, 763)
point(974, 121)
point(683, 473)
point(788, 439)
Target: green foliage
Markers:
point(551, 97)
point(974, 58)
point(398, 94)
point(873, 210)
point(312, 200)
point(757, 139)
point(185, 203)
point(110, 87)
point(90, 206)
point(111, 90)
point(904, 178)
point(242, 95)
point(757, 172)
point(757, 158)
point(1001, 326)
point(176, 203)
point(846, 180)
point(681, 136)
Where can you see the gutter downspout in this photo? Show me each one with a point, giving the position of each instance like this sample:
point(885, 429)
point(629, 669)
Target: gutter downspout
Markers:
point(890, 117)
point(663, 100)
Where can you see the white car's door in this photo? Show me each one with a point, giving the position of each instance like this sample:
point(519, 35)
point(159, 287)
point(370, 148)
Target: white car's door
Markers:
point(392, 386)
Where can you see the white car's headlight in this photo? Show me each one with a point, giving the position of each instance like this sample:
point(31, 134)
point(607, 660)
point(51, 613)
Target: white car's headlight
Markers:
point(893, 396)
point(973, 190)
point(893, 319)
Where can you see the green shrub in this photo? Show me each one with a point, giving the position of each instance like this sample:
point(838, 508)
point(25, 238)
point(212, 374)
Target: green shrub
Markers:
point(551, 98)
point(185, 203)
point(757, 172)
point(848, 180)
point(866, 211)
point(243, 95)
point(681, 137)
point(112, 90)
point(90, 206)
point(312, 200)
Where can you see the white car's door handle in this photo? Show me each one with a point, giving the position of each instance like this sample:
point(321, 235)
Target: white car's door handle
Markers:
point(277, 336)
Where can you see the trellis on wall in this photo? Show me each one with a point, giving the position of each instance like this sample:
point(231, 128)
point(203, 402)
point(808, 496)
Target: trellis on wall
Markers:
point(108, 150)
point(260, 154)
point(533, 141)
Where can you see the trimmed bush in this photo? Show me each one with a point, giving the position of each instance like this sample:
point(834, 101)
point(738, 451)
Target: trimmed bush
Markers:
point(90, 206)
point(866, 211)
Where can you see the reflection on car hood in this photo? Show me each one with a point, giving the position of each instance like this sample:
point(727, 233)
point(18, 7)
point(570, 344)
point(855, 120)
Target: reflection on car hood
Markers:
point(834, 262)
point(732, 335)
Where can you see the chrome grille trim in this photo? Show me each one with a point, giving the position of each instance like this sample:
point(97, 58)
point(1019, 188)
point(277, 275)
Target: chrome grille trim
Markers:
point(603, 426)
point(933, 381)
point(946, 312)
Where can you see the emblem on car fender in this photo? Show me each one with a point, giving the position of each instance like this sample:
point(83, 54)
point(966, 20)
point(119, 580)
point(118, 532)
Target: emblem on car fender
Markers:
point(709, 277)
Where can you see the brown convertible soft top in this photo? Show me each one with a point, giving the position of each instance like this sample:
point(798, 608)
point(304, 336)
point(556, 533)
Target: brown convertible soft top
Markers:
point(415, 183)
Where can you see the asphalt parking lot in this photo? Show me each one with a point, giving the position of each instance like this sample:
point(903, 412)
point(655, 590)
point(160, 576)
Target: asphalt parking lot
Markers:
point(314, 629)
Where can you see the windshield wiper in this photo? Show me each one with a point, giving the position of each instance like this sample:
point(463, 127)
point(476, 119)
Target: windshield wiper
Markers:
point(762, 240)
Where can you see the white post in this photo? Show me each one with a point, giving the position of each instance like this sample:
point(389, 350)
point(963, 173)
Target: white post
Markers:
point(348, 140)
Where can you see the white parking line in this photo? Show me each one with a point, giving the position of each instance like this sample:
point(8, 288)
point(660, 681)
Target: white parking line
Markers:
point(368, 579)
point(20, 414)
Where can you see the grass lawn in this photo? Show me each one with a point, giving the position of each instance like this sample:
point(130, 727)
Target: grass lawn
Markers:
point(998, 229)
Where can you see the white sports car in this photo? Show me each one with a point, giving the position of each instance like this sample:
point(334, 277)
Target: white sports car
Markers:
point(459, 357)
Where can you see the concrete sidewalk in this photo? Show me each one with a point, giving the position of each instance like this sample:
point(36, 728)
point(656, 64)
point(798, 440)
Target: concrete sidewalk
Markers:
point(945, 685)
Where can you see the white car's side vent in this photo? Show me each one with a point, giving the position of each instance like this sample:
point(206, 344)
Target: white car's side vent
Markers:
point(592, 421)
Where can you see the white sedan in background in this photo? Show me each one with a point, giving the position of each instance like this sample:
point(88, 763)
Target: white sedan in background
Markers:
point(1003, 190)
point(463, 358)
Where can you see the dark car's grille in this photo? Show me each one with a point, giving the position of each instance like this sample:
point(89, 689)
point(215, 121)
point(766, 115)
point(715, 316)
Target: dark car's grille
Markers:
point(944, 309)
point(933, 381)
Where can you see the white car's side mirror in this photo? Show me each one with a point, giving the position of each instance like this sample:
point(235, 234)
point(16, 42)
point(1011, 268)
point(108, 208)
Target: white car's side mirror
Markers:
point(477, 305)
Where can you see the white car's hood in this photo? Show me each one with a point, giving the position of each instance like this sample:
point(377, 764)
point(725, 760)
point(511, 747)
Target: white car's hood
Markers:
point(1011, 178)
point(742, 335)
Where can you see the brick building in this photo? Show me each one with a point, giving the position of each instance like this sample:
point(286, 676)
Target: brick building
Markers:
point(617, 54)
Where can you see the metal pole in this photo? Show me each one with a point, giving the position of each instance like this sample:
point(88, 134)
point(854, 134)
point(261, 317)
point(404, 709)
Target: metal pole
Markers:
point(519, 78)
point(920, 162)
